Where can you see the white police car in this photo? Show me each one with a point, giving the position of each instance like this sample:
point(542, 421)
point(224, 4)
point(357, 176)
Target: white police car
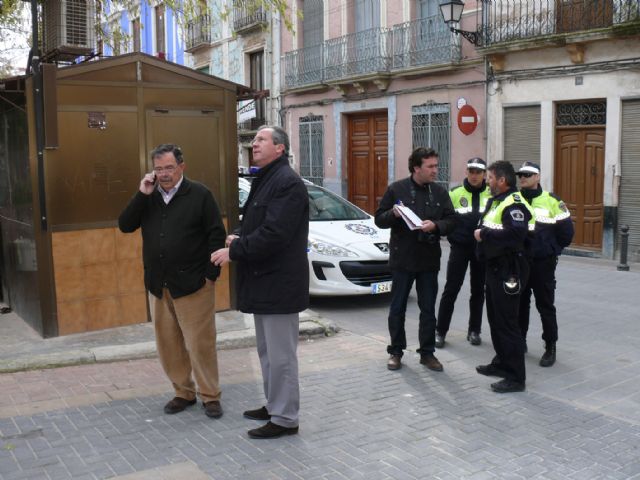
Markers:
point(348, 254)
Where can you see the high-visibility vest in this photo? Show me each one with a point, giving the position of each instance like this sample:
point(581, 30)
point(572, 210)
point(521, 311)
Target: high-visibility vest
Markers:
point(462, 199)
point(549, 209)
point(493, 218)
point(493, 221)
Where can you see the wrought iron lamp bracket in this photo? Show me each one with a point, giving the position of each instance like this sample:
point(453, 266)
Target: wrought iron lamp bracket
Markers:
point(472, 37)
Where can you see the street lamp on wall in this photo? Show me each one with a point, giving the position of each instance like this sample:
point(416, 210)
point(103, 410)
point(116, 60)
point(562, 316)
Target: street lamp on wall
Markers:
point(451, 12)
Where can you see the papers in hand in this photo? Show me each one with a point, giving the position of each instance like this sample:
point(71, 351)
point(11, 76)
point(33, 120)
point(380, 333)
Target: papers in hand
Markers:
point(410, 218)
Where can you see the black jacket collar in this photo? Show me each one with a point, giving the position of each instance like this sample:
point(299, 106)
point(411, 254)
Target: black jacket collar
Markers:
point(503, 195)
point(471, 189)
point(530, 193)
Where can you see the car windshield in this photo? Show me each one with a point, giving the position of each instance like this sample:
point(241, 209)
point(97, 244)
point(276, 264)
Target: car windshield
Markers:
point(243, 190)
point(324, 205)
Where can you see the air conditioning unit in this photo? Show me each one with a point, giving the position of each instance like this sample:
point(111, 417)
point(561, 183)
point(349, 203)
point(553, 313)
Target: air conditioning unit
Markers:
point(69, 29)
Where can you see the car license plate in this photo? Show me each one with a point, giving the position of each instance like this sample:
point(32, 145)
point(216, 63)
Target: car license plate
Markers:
point(381, 287)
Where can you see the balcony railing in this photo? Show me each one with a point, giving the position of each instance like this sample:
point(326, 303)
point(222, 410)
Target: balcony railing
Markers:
point(198, 32)
point(512, 20)
point(375, 51)
point(246, 17)
point(304, 66)
point(426, 41)
point(357, 54)
point(252, 124)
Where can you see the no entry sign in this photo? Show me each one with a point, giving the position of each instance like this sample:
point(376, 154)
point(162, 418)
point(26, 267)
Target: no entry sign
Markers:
point(467, 119)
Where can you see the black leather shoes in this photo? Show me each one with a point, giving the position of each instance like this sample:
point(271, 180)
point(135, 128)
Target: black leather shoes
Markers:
point(177, 405)
point(507, 386)
point(431, 362)
point(491, 370)
point(549, 356)
point(271, 430)
point(394, 362)
point(257, 414)
point(474, 338)
point(439, 340)
point(213, 409)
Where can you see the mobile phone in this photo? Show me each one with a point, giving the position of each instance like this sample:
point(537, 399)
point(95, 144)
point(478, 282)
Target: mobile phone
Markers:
point(155, 178)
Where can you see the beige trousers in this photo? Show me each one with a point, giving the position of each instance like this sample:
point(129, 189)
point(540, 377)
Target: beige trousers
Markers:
point(186, 340)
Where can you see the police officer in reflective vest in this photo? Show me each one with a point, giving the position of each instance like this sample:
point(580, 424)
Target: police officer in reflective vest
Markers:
point(554, 231)
point(502, 240)
point(469, 201)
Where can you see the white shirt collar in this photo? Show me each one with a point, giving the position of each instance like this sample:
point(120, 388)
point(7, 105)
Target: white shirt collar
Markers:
point(167, 196)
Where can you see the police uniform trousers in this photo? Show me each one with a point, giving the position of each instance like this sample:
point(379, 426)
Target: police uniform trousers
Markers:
point(186, 340)
point(459, 258)
point(277, 343)
point(542, 282)
point(502, 313)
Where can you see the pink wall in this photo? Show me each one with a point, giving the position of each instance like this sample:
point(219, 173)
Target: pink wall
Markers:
point(463, 147)
point(444, 86)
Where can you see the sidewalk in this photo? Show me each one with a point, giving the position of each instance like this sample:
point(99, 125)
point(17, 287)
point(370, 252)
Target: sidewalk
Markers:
point(21, 348)
point(579, 419)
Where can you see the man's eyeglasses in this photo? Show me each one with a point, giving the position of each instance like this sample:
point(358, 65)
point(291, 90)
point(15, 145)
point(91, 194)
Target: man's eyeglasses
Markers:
point(526, 175)
point(169, 169)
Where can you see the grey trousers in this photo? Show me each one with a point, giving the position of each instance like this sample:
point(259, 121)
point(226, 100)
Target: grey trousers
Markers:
point(277, 342)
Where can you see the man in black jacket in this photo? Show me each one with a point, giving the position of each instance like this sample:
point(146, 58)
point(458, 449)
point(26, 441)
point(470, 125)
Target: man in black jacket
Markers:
point(415, 254)
point(181, 226)
point(270, 251)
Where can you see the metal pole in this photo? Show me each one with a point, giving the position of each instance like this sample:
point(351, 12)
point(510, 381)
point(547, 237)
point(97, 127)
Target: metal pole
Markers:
point(624, 245)
point(38, 101)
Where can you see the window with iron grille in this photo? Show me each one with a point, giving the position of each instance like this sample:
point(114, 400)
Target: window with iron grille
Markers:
point(581, 113)
point(431, 128)
point(311, 133)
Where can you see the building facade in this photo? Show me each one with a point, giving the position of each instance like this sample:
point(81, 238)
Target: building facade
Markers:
point(564, 91)
point(242, 46)
point(365, 81)
point(231, 39)
point(141, 26)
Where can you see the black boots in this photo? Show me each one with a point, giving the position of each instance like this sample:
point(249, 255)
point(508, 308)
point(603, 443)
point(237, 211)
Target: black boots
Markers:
point(549, 356)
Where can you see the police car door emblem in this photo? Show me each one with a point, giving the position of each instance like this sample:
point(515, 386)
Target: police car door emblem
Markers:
point(517, 216)
point(360, 229)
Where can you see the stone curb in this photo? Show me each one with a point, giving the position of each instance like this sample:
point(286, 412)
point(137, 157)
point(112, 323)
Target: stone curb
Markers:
point(310, 326)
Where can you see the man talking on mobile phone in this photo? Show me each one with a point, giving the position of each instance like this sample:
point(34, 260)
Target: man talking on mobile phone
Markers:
point(181, 225)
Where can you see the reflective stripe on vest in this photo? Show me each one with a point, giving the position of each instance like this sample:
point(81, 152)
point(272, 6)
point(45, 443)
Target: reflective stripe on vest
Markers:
point(549, 210)
point(493, 218)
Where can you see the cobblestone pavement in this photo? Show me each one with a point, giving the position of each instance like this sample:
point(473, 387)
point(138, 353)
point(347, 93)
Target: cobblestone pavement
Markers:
point(358, 420)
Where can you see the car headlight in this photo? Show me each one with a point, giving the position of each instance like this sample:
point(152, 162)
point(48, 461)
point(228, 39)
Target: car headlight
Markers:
point(326, 248)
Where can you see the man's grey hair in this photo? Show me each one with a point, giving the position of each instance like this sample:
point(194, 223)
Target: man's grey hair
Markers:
point(167, 148)
point(279, 136)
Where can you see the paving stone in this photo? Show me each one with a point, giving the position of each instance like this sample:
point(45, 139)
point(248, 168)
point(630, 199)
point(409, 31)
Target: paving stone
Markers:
point(356, 422)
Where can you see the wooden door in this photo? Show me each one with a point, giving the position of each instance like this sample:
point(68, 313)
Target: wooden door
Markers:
point(367, 160)
point(576, 15)
point(579, 181)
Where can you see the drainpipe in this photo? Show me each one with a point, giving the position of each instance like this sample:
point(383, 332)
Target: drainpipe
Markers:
point(38, 102)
